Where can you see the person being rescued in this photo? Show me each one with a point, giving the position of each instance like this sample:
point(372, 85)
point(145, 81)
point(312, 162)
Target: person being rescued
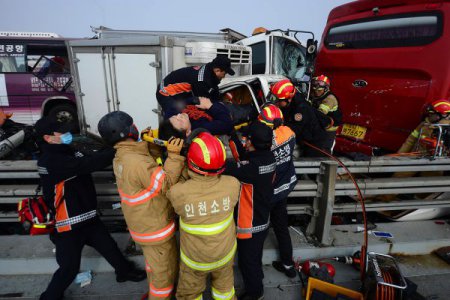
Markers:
point(213, 117)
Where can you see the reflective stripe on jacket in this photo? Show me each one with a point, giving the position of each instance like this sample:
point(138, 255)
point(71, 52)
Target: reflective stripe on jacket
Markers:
point(245, 211)
point(256, 175)
point(199, 81)
point(210, 229)
point(283, 150)
point(151, 191)
point(142, 185)
point(67, 183)
point(205, 205)
point(154, 236)
point(328, 104)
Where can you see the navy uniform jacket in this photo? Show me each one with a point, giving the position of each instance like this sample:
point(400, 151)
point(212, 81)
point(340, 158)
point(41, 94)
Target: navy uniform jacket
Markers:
point(256, 174)
point(67, 183)
point(190, 81)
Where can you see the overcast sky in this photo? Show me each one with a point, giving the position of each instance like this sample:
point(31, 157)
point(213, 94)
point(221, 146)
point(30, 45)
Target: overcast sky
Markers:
point(73, 18)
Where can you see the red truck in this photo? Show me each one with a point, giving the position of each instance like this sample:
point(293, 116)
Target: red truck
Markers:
point(385, 59)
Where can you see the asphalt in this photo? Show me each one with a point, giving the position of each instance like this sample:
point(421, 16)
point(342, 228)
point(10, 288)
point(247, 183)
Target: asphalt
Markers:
point(26, 264)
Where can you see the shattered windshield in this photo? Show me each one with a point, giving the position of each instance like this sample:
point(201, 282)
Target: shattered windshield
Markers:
point(288, 58)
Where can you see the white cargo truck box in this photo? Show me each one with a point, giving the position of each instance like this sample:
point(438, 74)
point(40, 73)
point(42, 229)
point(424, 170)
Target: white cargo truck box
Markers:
point(121, 71)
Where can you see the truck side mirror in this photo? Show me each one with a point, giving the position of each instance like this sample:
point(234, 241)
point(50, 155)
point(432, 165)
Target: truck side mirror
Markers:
point(311, 47)
point(311, 52)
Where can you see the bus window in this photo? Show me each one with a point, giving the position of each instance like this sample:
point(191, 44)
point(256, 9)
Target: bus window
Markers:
point(391, 31)
point(12, 57)
point(35, 79)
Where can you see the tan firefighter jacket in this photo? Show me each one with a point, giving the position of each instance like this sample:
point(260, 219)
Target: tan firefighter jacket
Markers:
point(412, 143)
point(142, 186)
point(205, 205)
point(328, 104)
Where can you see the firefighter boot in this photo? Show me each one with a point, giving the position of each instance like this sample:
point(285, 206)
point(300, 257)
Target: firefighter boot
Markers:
point(288, 271)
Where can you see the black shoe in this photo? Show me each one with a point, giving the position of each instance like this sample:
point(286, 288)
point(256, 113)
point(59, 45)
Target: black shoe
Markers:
point(134, 274)
point(246, 296)
point(289, 272)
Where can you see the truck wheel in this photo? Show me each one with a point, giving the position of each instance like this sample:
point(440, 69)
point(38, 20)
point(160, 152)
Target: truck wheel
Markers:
point(64, 113)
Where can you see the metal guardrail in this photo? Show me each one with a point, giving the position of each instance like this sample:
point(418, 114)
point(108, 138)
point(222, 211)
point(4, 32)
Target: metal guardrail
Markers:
point(18, 180)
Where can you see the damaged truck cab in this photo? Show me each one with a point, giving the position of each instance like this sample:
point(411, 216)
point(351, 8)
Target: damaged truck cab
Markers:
point(280, 52)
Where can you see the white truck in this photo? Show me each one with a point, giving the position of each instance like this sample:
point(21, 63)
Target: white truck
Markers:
point(120, 70)
point(281, 52)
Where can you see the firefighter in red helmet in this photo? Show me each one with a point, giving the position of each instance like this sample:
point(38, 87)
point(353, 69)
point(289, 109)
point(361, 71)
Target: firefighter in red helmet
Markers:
point(285, 180)
point(423, 140)
point(327, 103)
point(205, 204)
point(437, 111)
point(306, 121)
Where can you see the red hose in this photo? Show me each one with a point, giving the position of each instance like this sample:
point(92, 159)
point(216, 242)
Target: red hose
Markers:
point(363, 206)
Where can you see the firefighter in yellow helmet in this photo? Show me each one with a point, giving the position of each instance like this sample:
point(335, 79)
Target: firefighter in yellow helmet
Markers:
point(142, 185)
point(205, 204)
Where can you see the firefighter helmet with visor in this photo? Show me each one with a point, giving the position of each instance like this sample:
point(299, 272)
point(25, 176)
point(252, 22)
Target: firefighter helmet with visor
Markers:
point(441, 107)
point(321, 82)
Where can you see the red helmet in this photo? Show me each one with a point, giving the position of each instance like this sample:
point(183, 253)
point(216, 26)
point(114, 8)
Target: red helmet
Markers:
point(283, 89)
point(269, 113)
point(321, 81)
point(441, 106)
point(206, 155)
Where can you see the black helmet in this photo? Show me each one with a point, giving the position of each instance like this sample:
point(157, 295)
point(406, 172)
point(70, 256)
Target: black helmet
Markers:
point(117, 126)
point(260, 135)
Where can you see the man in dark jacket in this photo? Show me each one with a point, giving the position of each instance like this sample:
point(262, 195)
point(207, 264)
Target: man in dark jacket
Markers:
point(256, 171)
point(182, 87)
point(69, 191)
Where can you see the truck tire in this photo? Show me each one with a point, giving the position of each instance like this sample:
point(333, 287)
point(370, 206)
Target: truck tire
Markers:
point(64, 113)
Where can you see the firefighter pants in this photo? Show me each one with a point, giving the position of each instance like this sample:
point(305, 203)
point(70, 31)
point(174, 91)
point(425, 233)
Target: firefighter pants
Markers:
point(250, 262)
point(279, 221)
point(192, 283)
point(69, 245)
point(161, 264)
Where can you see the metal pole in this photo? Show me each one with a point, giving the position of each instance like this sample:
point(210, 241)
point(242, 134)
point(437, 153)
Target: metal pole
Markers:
point(323, 204)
